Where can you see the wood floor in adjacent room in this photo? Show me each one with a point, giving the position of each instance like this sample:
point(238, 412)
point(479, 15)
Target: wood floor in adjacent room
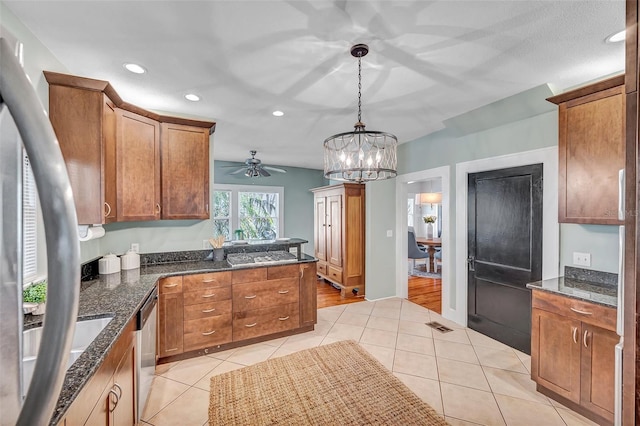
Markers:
point(426, 292)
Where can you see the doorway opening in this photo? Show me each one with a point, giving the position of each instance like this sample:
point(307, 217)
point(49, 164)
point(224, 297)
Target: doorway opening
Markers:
point(421, 195)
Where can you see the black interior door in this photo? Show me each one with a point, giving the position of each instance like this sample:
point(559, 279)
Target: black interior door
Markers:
point(505, 252)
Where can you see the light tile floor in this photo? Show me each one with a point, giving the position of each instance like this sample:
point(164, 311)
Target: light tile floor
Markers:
point(468, 377)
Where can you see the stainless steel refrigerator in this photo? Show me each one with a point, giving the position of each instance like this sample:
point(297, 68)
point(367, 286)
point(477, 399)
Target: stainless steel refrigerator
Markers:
point(23, 122)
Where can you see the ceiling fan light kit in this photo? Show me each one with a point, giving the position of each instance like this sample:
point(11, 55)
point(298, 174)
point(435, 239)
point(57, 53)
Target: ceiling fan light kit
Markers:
point(361, 155)
point(254, 168)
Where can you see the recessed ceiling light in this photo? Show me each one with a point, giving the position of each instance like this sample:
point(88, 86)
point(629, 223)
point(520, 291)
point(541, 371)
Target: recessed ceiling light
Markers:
point(617, 37)
point(135, 68)
point(278, 113)
point(192, 97)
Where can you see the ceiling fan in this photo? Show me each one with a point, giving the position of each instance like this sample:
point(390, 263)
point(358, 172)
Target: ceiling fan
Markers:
point(254, 168)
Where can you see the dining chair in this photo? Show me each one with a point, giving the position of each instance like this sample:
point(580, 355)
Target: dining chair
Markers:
point(413, 250)
point(437, 261)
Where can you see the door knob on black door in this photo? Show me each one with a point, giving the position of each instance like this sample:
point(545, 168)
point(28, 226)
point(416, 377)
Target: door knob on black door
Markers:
point(471, 262)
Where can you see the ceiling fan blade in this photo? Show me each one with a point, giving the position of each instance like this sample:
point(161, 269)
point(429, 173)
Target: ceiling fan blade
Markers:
point(235, 172)
point(233, 165)
point(275, 169)
point(263, 172)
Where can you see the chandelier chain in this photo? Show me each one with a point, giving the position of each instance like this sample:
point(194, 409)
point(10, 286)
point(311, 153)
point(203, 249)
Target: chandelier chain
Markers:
point(359, 87)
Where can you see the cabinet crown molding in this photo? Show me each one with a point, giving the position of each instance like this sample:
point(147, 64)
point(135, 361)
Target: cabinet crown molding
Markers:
point(105, 87)
point(589, 89)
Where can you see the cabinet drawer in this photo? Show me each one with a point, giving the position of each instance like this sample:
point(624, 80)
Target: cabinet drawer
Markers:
point(265, 321)
point(207, 295)
point(266, 293)
point(581, 310)
point(203, 332)
point(170, 285)
point(335, 274)
point(205, 281)
point(322, 268)
point(286, 271)
point(208, 309)
point(249, 275)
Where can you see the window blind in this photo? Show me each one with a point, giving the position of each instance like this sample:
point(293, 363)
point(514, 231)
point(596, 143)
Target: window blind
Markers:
point(29, 221)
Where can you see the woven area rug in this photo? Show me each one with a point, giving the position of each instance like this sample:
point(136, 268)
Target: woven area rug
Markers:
point(336, 384)
point(421, 271)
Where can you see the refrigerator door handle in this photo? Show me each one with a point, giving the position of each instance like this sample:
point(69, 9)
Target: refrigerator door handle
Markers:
point(620, 307)
point(617, 411)
point(63, 246)
point(621, 205)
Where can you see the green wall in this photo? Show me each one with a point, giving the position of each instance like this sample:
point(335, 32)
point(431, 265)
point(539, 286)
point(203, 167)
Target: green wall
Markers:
point(36, 58)
point(443, 148)
point(298, 200)
point(178, 235)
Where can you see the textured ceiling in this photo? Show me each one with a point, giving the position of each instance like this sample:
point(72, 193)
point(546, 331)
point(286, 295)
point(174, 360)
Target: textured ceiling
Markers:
point(429, 61)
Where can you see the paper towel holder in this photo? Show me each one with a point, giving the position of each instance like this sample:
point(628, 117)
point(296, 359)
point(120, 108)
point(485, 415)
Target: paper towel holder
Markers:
point(90, 232)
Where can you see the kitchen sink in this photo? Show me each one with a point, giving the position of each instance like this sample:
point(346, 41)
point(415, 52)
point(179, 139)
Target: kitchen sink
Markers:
point(86, 331)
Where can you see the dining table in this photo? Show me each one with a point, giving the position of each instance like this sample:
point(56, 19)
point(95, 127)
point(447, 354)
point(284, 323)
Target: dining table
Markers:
point(432, 244)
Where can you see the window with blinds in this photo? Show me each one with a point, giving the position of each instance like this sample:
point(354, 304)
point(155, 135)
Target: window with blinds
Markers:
point(29, 221)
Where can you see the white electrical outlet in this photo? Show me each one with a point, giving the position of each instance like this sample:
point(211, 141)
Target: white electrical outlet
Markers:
point(206, 244)
point(135, 247)
point(581, 259)
point(389, 233)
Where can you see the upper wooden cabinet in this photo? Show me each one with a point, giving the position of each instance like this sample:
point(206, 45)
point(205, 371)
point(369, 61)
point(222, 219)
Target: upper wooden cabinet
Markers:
point(339, 236)
point(185, 172)
point(126, 163)
point(138, 167)
point(591, 152)
point(85, 124)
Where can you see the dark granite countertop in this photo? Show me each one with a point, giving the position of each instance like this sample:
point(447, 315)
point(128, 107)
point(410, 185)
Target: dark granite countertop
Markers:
point(602, 294)
point(120, 296)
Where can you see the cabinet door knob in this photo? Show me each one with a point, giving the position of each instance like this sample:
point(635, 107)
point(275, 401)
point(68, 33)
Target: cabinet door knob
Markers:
point(251, 297)
point(284, 318)
point(206, 296)
point(115, 403)
point(158, 208)
point(117, 386)
point(170, 285)
point(584, 338)
point(283, 291)
point(578, 311)
point(575, 334)
point(251, 325)
point(206, 311)
point(212, 280)
point(107, 209)
point(208, 333)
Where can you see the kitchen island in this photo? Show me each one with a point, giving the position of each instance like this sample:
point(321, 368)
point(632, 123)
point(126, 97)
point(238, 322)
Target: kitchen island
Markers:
point(120, 296)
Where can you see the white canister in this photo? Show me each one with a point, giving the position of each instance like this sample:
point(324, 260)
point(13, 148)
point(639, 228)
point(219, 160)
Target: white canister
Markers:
point(109, 264)
point(130, 260)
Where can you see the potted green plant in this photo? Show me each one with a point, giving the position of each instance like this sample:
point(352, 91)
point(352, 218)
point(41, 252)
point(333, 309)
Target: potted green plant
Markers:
point(36, 296)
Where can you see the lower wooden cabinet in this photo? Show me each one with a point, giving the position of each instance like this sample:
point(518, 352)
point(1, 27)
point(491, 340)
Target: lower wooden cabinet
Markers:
point(308, 294)
point(572, 353)
point(109, 397)
point(203, 311)
point(170, 317)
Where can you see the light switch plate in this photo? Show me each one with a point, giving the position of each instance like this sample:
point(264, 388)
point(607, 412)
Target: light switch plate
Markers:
point(389, 233)
point(581, 259)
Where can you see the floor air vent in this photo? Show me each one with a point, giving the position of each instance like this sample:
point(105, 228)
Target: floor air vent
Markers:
point(441, 328)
